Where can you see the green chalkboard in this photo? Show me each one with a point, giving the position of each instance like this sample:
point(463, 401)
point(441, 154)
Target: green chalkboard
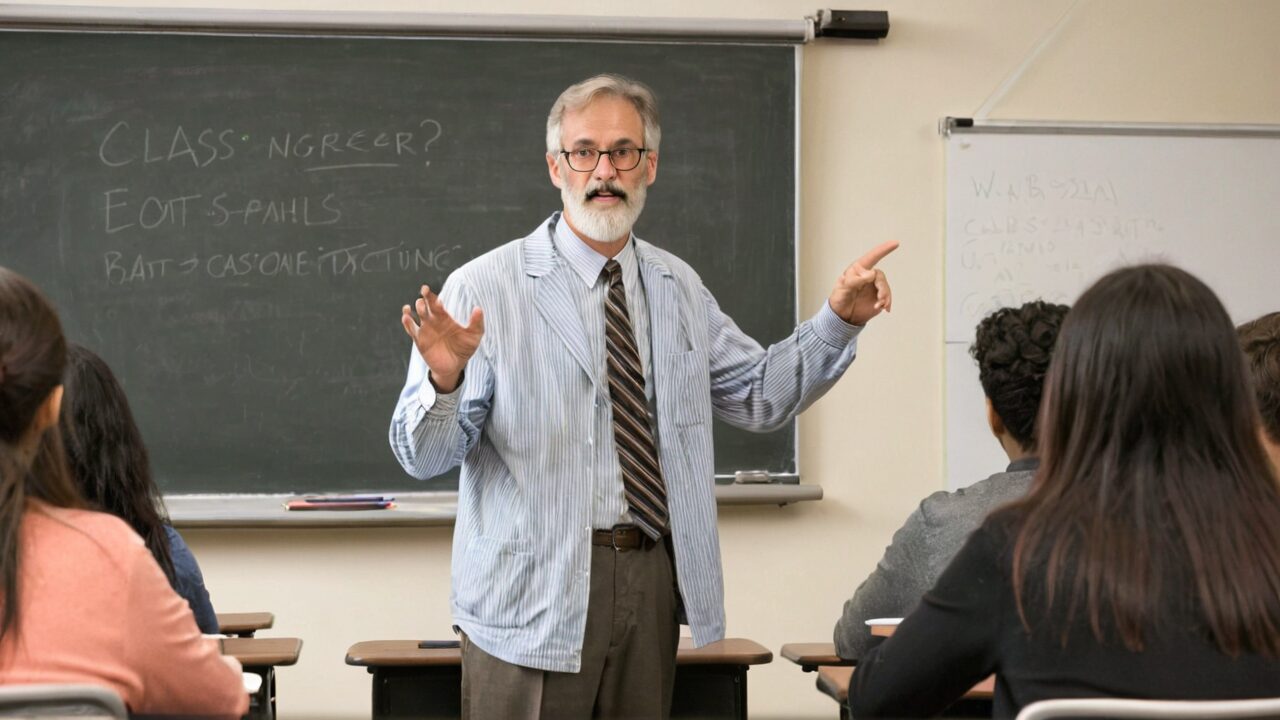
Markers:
point(234, 222)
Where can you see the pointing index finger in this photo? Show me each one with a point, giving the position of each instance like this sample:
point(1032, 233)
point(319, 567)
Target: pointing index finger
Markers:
point(877, 253)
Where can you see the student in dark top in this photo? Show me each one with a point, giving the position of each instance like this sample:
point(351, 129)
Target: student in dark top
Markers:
point(1144, 562)
point(110, 464)
point(1012, 346)
point(1260, 340)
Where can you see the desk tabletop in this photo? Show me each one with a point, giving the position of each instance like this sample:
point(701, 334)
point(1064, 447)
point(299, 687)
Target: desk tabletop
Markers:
point(400, 653)
point(730, 651)
point(257, 652)
point(812, 655)
point(245, 623)
point(834, 682)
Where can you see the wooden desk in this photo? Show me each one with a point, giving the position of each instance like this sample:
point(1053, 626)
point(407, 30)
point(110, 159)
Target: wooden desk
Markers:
point(261, 656)
point(811, 656)
point(408, 681)
point(834, 682)
point(835, 673)
point(244, 624)
point(711, 681)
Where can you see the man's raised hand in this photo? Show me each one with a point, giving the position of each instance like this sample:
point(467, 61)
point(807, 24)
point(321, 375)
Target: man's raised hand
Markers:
point(445, 345)
point(863, 291)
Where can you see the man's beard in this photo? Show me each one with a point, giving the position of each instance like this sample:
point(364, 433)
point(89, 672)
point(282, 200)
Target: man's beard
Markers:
point(604, 225)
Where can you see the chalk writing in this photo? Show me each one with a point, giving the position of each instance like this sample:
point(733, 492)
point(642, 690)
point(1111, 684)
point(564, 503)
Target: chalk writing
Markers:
point(124, 145)
point(349, 145)
point(150, 214)
point(291, 211)
point(121, 212)
point(361, 259)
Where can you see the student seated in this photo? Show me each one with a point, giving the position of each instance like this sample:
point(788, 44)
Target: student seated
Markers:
point(1260, 340)
point(110, 465)
point(1012, 347)
point(1144, 562)
point(81, 599)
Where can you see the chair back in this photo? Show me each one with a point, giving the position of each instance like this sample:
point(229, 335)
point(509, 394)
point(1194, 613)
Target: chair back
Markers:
point(1152, 709)
point(75, 701)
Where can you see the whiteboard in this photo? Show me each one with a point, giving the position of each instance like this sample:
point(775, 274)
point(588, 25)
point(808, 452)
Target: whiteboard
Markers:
point(1043, 215)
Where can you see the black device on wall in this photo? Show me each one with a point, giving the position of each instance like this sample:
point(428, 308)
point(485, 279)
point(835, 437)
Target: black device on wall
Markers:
point(856, 24)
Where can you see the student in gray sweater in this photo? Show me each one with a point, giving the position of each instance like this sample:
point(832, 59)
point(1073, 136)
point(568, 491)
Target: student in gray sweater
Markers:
point(1012, 348)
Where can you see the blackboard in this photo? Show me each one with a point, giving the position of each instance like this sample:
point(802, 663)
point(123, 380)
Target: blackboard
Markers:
point(234, 221)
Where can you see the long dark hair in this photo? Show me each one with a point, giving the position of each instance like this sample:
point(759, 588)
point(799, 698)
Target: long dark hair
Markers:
point(1151, 472)
point(32, 354)
point(108, 459)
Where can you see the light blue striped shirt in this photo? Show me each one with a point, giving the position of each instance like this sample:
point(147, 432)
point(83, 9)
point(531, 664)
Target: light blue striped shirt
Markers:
point(609, 505)
point(530, 427)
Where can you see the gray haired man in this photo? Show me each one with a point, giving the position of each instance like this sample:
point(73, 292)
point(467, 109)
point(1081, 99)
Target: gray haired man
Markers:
point(581, 538)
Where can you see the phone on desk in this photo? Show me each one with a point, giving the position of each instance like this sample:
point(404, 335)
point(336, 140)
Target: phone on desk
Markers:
point(438, 644)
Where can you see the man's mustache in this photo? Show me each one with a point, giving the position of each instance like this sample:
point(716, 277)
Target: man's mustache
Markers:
point(611, 188)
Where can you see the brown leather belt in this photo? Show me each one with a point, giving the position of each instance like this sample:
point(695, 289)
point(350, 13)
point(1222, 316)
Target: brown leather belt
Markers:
point(623, 537)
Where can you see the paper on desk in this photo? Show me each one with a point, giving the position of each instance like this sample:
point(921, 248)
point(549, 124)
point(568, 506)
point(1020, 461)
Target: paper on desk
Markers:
point(884, 621)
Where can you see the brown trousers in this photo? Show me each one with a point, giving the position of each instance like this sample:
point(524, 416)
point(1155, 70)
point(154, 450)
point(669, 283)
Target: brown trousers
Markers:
point(628, 653)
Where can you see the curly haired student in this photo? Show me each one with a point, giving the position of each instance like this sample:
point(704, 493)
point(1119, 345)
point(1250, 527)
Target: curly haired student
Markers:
point(1012, 347)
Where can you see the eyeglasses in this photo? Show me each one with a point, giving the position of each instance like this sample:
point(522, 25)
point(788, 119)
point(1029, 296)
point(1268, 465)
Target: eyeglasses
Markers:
point(586, 159)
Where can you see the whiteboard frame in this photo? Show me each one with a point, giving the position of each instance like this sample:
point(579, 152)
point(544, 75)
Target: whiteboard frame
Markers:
point(961, 126)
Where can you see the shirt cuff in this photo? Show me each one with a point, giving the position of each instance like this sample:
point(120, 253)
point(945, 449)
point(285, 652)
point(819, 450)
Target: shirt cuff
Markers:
point(435, 402)
point(832, 329)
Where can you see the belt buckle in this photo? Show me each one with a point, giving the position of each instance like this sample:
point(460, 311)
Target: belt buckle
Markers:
point(613, 537)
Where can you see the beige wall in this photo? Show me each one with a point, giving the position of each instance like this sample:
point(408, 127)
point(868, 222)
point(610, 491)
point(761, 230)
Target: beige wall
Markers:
point(872, 169)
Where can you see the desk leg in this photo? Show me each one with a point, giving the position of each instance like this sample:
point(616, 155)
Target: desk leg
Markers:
point(710, 692)
point(262, 706)
point(426, 693)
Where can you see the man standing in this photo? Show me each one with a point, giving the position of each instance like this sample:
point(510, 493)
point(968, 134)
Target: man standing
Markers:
point(578, 400)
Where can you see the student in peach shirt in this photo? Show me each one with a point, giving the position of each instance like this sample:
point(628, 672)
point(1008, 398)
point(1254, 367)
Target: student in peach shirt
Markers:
point(92, 605)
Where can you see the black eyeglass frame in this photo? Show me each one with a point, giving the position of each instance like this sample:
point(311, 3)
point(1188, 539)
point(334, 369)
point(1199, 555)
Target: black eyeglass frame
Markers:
point(601, 153)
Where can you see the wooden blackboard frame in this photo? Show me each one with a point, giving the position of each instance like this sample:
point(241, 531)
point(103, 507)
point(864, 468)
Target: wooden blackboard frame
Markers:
point(407, 24)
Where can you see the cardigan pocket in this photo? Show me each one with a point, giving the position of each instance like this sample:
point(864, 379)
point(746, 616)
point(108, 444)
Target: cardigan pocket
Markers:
point(685, 383)
point(497, 585)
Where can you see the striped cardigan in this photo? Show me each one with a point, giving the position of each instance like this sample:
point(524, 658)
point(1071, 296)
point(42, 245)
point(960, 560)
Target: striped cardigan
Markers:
point(530, 424)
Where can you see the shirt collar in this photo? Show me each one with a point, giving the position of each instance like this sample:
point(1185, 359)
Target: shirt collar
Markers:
point(585, 262)
point(1027, 463)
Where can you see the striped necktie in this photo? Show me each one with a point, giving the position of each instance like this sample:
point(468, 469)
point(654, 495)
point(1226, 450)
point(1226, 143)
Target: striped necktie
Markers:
point(632, 434)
